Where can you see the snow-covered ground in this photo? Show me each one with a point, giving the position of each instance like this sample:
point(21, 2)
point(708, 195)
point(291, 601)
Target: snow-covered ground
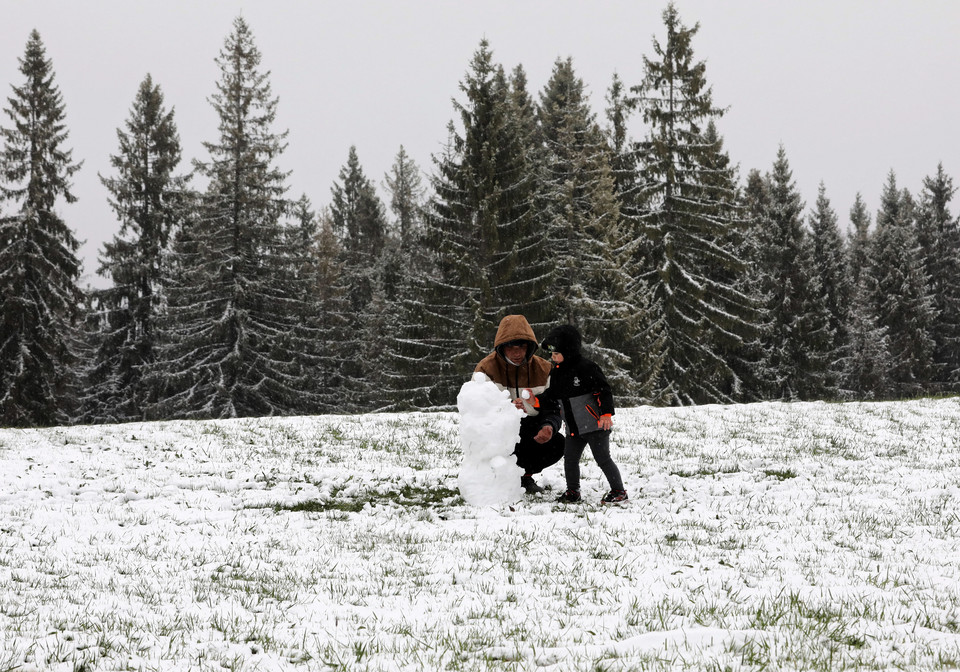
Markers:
point(783, 536)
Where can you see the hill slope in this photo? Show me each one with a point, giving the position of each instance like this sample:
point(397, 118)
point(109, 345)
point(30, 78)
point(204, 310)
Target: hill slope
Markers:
point(814, 536)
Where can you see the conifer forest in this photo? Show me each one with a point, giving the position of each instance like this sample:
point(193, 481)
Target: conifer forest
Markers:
point(693, 280)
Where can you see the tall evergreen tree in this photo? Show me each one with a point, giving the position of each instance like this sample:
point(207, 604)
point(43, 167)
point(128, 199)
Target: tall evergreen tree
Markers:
point(404, 256)
point(490, 260)
point(723, 203)
point(859, 246)
point(523, 110)
point(687, 216)
point(754, 364)
point(865, 368)
point(226, 353)
point(405, 184)
point(594, 287)
point(622, 158)
point(865, 373)
point(406, 262)
point(360, 222)
point(39, 298)
point(902, 298)
point(830, 270)
point(359, 219)
point(575, 180)
point(148, 199)
point(317, 273)
point(939, 237)
point(798, 339)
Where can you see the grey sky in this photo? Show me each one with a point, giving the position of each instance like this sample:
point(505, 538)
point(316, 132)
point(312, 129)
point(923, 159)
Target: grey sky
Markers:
point(851, 88)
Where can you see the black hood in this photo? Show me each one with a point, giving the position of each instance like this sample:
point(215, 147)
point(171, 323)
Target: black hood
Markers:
point(564, 339)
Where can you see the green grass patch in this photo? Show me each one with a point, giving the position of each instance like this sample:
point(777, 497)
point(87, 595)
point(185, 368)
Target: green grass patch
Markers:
point(707, 470)
point(408, 496)
point(780, 474)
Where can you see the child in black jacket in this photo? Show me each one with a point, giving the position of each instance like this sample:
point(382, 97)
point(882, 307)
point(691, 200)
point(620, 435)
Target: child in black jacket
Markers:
point(588, 411)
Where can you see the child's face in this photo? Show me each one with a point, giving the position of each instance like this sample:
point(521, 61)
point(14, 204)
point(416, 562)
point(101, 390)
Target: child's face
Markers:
point(556, 357)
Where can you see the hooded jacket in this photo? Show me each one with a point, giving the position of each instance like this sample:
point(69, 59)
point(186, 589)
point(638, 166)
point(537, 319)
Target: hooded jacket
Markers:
point(533, 373)
point(575, 375)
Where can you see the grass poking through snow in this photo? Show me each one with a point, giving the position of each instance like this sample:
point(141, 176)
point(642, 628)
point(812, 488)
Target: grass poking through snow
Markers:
point(767, 536)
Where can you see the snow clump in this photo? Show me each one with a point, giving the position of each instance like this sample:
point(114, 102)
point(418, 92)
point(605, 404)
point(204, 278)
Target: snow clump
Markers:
point(489, 430)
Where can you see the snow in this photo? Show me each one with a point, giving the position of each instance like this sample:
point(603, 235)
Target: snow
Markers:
point(489, 430)
point(777, 536)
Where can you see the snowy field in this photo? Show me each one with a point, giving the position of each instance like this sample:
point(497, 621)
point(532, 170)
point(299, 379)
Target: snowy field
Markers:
point(767, 536)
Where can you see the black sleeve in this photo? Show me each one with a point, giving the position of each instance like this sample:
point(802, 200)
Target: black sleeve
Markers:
point(549, 411)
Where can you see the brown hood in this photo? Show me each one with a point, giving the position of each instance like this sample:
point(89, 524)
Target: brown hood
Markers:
point(514, 328)
point(533, 374)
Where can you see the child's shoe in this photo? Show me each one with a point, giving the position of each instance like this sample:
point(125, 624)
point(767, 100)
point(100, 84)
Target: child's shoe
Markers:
point(615, 497)
point(569, 497)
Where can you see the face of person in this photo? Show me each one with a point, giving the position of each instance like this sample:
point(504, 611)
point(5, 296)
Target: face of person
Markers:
point(556, 357)
point(515, 353)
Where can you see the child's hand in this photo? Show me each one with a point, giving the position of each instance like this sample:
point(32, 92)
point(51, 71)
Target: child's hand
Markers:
point(605, 422)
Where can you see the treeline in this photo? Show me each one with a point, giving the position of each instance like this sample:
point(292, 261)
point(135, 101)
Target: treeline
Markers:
point(692, 284)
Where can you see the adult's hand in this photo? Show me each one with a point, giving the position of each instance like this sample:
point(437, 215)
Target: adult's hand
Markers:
point(605, 422)
point(544, 435)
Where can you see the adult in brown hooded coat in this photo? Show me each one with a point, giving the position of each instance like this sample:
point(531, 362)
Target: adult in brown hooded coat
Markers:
point(514, 366)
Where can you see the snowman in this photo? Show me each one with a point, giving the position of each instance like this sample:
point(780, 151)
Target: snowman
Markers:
point(489, 430)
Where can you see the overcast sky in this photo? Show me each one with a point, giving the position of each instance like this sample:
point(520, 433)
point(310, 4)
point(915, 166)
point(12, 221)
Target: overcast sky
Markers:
point(850, 88)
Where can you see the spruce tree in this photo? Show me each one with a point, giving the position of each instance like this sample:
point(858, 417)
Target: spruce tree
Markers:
point(859, 245)
point(939, 237)
point(523, 110)
point(404, 255)
point(830, 269)
point(594, 287)
point(902, 298)
point(723, 203)
point(405, 185)
point(406, 262)
point(40, 301)
point(622, 158)
point(317, 272)
point(798, 339)
point(359, 220)
point(866, 368)
point(686, 210)
point(575, 183)
point(148, 199)
point(489, 258)
point(226, 351)
point(754, 364)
